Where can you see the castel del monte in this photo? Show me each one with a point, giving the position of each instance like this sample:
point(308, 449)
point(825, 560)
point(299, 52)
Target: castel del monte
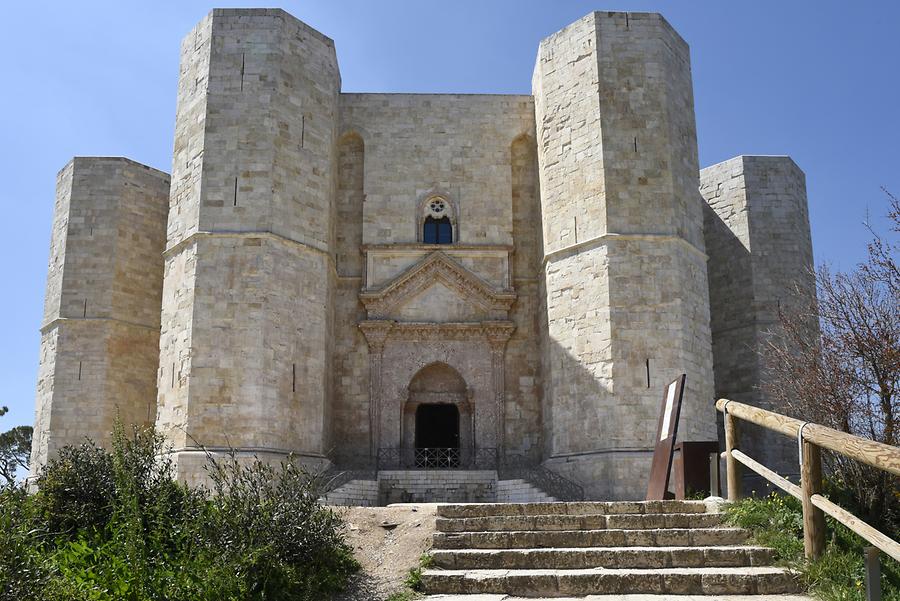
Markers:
point(447, 297)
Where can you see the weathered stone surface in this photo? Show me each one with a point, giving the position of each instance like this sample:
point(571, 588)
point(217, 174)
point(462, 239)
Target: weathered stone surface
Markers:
point(100, 332)
point(625, 265)
point(562, 583)
point(589, 538)
point(303, 312)
point(579, 522)
point(508, 552)
point(470, 510)
point(757, 234)
point(245, 351)
point(602, 557)
point(502, 597)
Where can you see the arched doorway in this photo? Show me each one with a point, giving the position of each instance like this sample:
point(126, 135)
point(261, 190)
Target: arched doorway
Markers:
point(437, 425)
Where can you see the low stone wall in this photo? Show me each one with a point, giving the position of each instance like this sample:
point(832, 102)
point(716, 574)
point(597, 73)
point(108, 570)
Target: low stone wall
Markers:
point(355, 493)
point(421, 486)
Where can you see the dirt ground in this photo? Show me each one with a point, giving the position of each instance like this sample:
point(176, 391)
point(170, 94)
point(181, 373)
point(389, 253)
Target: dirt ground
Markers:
point(388, 542)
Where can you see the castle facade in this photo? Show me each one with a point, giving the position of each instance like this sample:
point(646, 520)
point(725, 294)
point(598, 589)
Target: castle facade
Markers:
point(418, 280)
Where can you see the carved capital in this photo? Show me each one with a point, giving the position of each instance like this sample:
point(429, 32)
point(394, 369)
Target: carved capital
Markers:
point(376, 333)
point(498, 334)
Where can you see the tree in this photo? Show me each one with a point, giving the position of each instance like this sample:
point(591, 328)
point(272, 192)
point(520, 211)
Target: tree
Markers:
point(15, 450)
point(848, 377)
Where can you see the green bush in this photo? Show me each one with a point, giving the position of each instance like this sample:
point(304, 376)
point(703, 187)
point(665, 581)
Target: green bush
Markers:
point(77, 490)
point(776, 521)
point(114, 525)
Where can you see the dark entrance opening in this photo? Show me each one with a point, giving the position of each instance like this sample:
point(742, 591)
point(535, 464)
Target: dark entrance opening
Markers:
point(437, 436)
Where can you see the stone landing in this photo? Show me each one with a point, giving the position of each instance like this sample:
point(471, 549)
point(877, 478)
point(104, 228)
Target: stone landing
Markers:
point(559, 550)
point(625, 598)
point(435, 486)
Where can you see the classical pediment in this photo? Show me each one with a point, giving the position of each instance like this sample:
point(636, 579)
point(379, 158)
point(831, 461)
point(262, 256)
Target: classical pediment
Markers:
point(442, 287)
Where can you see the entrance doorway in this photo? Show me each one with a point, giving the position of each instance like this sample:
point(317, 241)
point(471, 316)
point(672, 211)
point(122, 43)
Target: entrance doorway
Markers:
point(437, 435)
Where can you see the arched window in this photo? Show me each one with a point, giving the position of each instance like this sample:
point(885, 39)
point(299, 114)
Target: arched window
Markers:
point(437, 220)
point(437, 231)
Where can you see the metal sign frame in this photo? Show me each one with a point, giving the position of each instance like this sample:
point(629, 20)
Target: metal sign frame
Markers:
point(664, 443)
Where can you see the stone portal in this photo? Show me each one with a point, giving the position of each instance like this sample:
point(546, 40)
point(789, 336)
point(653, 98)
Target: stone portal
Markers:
point(437, 418)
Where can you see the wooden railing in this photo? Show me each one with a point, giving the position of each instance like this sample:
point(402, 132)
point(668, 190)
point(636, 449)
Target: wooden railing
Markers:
point(811, 438)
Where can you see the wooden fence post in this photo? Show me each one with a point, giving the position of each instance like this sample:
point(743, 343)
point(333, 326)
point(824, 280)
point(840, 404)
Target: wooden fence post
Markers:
point(732, 467)
point(811, 484)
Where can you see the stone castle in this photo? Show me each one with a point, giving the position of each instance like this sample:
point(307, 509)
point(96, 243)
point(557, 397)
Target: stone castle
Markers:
point(380, 281)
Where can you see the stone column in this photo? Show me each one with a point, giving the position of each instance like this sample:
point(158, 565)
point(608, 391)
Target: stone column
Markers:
point(376, 333)
point(497, 336)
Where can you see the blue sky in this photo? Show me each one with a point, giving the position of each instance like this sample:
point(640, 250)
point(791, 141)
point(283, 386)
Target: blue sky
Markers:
point(816, 80)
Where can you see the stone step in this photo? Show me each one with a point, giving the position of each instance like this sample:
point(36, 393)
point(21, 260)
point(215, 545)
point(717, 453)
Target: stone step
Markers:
point(603, 557)
point(682, 537)
point(523, 499)
point(579, 522)
point(561, 583)
point(502, 597)
point(475, 510)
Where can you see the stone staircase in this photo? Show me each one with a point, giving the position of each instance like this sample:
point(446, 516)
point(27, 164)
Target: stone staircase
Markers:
point(434, 486)
point(520, 491)
point(591, 548)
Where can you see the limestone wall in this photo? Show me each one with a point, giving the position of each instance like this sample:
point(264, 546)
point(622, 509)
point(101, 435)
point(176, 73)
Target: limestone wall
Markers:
point(100, 333)
point(247, 309)
point(522, 414)
point(624, 262)
point(477, 151)
point(457, 145)
point(758, 237)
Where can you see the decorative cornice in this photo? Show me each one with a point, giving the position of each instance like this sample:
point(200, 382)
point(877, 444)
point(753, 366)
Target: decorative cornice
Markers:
point(381, 330)
point(436, 267)
point(430, 247)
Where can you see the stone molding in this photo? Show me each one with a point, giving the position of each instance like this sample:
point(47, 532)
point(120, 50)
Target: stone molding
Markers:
point(62, 320)
point(436, 267)
point(573, 249)
point(377, 332)
point(177, 247)
point(400, 246)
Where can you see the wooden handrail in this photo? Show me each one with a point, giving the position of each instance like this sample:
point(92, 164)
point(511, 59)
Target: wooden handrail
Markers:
point(878, 539)
point(812, 438)
point(877, 454)
point(782, 483)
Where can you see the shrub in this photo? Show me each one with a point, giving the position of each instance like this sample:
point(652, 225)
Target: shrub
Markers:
point(777, 521)
point(22, 573)
point(269, 521)
point(76, 490)
point(111, 525)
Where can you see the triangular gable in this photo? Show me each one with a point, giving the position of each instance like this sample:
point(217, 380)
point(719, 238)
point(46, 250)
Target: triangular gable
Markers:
point(436, 267)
